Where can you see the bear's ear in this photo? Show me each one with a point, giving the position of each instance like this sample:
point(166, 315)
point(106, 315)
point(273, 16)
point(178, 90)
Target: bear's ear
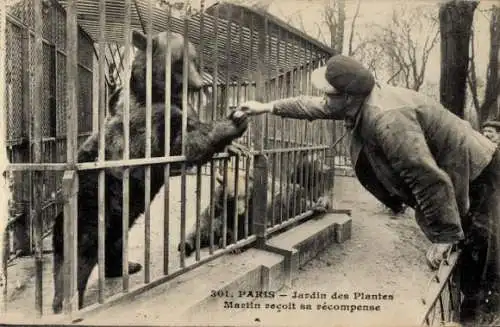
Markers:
point(139, 40)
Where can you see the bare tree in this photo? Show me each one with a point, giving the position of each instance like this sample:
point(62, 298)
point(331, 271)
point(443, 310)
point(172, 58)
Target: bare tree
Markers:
point(331, 28)
point(330, 18)
point(334, 18)
point(488, 108)
point(403, 46)
point(351, 51)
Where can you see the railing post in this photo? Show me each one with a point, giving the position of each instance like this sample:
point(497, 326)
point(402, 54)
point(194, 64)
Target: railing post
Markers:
point(260, 170)
point(4, 177)
point(70, 178)
point(37, 181)
point(455, 294)
point(70, 191)
point(259, 206)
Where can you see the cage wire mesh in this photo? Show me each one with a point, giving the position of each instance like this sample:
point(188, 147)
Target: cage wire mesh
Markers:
point(19, 72)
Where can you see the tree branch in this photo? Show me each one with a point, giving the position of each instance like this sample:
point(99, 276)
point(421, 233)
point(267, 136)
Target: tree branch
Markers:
point(353, 24)
point(492, 81)
point(471, 76)
point(394, 75)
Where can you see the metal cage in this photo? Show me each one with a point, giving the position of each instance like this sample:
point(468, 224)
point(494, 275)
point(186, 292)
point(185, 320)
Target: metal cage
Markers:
point(74, 54)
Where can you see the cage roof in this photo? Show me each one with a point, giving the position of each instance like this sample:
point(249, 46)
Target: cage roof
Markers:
point(230, 43)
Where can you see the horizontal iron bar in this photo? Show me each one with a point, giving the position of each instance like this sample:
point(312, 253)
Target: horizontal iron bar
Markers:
point(303, 148)
point(290, 221)
point(102, 165)
point(137, 162)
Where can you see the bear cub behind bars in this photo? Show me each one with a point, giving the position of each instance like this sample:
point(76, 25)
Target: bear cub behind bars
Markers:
point(296, 190)
point(202, 141)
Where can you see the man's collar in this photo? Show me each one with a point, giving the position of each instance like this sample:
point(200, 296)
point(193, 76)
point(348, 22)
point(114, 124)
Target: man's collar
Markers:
point(352, 123)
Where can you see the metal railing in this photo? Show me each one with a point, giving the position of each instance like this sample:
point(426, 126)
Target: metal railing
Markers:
point(443, 298)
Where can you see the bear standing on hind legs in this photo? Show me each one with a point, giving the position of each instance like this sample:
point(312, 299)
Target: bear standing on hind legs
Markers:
point(203, 140)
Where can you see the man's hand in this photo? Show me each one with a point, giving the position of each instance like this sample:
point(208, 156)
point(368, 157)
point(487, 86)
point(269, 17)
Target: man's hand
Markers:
point(437, 253)
point(254, 108)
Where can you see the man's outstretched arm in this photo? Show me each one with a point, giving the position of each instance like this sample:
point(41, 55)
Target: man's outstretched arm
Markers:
point(300, 107)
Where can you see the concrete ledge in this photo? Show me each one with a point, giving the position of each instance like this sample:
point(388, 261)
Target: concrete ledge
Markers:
point(189, 290)
point(344, 171)
point(206, 288)
point(264, 271)
point(301, 244)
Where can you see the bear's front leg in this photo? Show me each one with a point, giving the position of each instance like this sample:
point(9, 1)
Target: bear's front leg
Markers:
point(206, 139)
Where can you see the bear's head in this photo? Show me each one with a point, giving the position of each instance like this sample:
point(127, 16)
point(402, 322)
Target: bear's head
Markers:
point(159, 52)
point(239, 199)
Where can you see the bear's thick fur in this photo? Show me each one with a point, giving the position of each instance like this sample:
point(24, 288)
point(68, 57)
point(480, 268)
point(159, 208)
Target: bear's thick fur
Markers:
point(203, 140)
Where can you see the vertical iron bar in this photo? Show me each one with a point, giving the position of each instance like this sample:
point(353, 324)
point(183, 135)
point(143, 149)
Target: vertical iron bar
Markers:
point(269, 97)
point(215, 53)
point(284, 165)
point(228, 56)
point(319, 181)
point(303, 155)
point(451, 304)
point(261, 162)
point(201, 50)
point(27, 100)
point(236, 196)
point(312, 125)
point(249, 160)
point(296, 157)
point(4, 244)
point(240, 57)
point(102, 110)
point(126, 141)
point(147, 169)
point(184, 127)
point(70, 178)
point(278, 157)
point(251, 69)
point(37, 156)
point(224, 204)
point(441, 307)
point(287, 124)
point(166, 172)
point(215, 61)
point(212, 206)
point(247, 194)
point(198, 212)
point(199, 167)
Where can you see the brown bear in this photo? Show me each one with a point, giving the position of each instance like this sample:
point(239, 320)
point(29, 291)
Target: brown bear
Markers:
point(234, 202)
point(203, 140)
point(310, 172)
point(279, 204)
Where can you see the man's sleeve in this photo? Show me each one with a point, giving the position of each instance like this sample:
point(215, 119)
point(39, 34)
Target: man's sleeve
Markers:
point(403, 142)
point(301, 107)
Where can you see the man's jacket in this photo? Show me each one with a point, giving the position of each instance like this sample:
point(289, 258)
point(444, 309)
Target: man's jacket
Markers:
point(407, 148)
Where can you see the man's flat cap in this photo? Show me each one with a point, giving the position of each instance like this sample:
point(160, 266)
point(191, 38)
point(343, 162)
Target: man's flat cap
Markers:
point(343, 74)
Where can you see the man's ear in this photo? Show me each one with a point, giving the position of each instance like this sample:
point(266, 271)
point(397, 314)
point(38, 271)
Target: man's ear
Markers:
point(219, 178)
point(348, 99)
point(139, 40)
